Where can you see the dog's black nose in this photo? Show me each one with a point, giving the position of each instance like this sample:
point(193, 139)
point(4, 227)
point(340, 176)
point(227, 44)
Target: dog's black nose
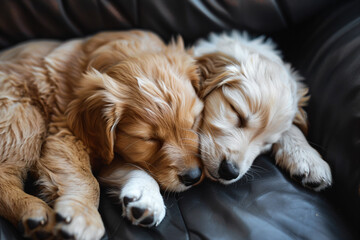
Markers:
point(191, 177)
point(228, 170)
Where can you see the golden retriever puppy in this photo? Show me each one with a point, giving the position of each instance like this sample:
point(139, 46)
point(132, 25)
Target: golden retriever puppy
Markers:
point(120, 99)
point(253, 103)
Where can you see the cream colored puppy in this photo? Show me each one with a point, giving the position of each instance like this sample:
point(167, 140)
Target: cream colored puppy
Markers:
point(253, 103)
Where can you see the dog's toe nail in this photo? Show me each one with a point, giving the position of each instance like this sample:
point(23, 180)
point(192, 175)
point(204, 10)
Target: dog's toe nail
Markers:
point(68, 219)
point(60, 218)
point(21, 227)
point(137, 212)
point(41, 235)
point(32, 223)
point(312, 184)
point(298, 177)
point(148, 220)
point(65, 235)
point(126, 200)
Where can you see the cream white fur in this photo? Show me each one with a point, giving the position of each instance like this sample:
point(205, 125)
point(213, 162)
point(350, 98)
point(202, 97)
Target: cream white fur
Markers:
point(293, 152)
point(258, 84)
point(145, 190)
point(136, 184)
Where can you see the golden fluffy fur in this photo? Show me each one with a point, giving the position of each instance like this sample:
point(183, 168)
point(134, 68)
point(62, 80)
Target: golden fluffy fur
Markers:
point(66, 107)
point(253, 102)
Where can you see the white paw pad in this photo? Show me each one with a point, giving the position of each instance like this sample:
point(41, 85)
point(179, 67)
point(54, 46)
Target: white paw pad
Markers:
point(311, 170)
point(142, 206)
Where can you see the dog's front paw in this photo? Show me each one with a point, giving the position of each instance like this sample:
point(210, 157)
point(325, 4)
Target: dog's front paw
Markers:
point(77, 220)
point(38, 222)
point(142, 205)
point(310, 169)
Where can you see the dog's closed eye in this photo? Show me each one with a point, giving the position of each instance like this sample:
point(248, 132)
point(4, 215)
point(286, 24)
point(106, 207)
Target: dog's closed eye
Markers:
point(149, 139)
point(153, 140)
point(241, 121)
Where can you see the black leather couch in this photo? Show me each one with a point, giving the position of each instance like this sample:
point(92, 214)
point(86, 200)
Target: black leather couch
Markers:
point(320, 38)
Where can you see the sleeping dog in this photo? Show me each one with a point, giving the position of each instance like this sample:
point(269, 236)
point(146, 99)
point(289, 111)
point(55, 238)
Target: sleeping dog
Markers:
point(253, 102)
point(123, 100)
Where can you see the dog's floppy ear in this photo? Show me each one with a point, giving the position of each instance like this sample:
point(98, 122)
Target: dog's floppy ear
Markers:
point(300, 119)
point(302, 98)
point(95, 112)
point(213, 72)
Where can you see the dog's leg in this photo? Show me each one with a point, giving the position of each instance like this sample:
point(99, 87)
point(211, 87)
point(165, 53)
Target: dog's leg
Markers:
point(293, 153)
point(22, 129)
point(139, 193)
point(31, 215)
point(67, 181)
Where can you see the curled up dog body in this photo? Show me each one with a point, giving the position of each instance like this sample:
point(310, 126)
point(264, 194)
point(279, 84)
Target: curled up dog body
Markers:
point(111, 104)
point(134, 113)
point(253, 103)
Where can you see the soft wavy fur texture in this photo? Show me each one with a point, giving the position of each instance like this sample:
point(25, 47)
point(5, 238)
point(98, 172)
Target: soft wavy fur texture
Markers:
point(252, 102)
point(68, 108)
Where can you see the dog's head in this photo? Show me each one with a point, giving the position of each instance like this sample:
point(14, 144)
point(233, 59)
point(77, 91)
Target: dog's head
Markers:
point(143, 108)
point(248, 104)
